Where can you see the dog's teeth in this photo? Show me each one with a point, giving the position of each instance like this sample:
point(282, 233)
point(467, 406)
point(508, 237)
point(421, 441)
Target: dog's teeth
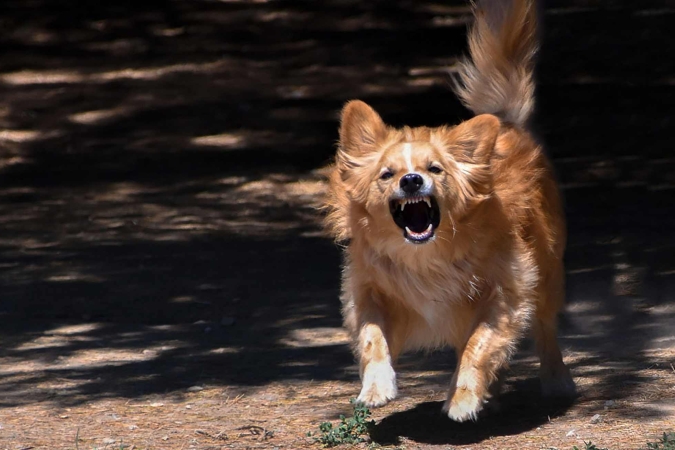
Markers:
point(428, 202)
point(402, 206)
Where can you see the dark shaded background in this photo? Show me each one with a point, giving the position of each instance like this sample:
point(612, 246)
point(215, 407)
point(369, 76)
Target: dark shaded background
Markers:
point(158, 176)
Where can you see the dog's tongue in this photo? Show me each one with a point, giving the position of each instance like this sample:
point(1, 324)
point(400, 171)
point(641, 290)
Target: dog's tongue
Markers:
point(416, 216)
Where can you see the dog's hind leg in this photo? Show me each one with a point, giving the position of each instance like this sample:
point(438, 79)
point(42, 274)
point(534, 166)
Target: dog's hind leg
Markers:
point(556, 380)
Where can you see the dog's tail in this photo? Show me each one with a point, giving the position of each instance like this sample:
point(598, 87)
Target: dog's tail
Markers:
point(499, 77)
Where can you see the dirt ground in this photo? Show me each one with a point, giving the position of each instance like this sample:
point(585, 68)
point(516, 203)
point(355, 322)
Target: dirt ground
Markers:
point(164, 280)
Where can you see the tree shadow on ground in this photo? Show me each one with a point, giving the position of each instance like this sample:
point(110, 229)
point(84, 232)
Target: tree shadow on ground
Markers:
point(158, 191)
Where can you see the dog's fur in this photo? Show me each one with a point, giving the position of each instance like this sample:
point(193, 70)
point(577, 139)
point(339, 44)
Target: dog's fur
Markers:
point(493, 267)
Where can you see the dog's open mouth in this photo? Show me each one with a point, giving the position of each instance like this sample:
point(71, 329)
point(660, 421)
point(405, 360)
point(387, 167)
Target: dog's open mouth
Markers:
point(418, 217)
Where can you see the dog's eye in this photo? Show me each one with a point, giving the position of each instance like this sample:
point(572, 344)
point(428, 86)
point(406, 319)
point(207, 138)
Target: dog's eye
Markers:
point(435, 169)
point(387, 174)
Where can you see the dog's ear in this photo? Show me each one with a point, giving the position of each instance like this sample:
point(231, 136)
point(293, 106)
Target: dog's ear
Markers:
point(361, 130)
point(475, 139)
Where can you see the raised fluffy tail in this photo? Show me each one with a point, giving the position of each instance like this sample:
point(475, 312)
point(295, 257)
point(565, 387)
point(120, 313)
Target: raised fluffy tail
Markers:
point(499, 77)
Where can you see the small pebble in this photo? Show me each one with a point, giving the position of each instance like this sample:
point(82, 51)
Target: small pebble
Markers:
point(195, 388)
point(596, 418)
point(108, 441)
point(571, 433)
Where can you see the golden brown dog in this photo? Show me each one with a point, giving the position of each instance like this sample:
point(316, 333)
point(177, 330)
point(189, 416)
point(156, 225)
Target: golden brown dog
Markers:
point(456, 234)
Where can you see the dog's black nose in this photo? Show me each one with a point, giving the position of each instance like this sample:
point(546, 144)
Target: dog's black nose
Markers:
point(411, 183)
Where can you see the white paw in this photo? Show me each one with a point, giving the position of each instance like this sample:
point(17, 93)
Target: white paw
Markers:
point(379, 385)
point(558, 384)
point(463, 405)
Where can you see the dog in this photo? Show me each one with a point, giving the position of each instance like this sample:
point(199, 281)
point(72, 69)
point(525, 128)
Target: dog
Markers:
point(454, 235)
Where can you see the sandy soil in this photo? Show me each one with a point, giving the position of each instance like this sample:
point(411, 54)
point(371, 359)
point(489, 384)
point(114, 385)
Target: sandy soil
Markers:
point(165, 283)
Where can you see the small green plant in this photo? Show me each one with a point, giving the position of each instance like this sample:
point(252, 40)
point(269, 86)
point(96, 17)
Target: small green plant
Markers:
point(589, 446)
point(667, 442)
point(351, 430)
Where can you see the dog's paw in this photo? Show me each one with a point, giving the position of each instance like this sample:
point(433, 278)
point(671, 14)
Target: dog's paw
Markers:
point(463, 405)
point(379, 385)
point(558, 383)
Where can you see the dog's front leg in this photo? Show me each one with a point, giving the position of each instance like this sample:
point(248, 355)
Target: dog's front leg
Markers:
point(375, 365)
point(486, 352)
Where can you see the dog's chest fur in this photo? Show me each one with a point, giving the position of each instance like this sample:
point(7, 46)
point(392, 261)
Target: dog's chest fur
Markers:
point(439, 291)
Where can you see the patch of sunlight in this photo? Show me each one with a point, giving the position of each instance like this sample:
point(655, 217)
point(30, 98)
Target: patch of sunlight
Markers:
point(582, 307)
point(225, 351)
point(188, 299)
point(665, 273)
point(167, 32)
point(277, 185)
point(118, 46)
point(588, 269)
point(666, 308)
point(120, 192)
point(314, 234)
point(428, 81)
point(663, 339)
point(427, 71)
point(74, 276)
point(298, 364)
point(109, 356)
point(97, 116)
point(450, 21)
point(13, 160)
point(232, 181)
point(67, 330)
point(35, 36)
point(225, 140)
point(154, 73)
point(315, 337)
point(45, 77)
point(26, 77)
point(19, 135)
point(306, 188)
point(165, 328)
point(40, 344)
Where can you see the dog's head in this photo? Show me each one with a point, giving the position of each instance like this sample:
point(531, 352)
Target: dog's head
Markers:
point(413, 184)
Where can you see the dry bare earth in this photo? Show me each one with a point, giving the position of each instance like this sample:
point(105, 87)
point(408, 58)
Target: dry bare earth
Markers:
point(164, 281)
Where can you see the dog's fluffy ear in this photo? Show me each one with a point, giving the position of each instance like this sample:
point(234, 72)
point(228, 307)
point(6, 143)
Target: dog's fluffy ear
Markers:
point(475, 138)
point(361, 130)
